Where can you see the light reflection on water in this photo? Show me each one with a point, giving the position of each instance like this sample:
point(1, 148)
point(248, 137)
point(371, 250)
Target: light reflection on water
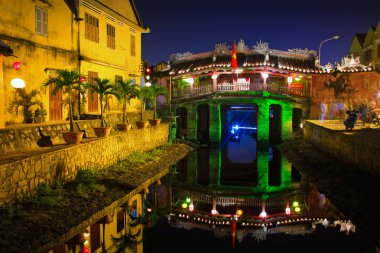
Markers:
point(261, 202)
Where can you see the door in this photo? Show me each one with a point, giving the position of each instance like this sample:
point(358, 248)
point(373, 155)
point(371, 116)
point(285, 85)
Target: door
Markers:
point(92, 97)
point(55, 104)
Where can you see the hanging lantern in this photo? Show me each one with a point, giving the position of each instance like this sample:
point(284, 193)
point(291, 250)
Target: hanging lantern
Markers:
point(264, 75)
point(17, 65)
point(82, 79)
point(239, 212)
point(191, 207)
point(287, 211)
point(18, 83)
point(263, 214)
point(214, 76)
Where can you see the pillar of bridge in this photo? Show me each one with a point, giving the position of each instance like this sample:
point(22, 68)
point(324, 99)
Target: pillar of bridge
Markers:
point(286, 122)
point(191, 122)
point(263, 126)
point(262, 169)
point(192, 168)
point(214, 164)
point(214, 124)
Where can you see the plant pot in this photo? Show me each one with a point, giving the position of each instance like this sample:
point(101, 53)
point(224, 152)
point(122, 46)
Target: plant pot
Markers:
point(123, 127)
point(39, 119)
point(154, 122)
point(102, 131)
point(72, 137)
point(29, 120)
point(142, 124)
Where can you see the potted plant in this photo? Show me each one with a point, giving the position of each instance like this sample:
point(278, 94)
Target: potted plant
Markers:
point(103, 87)
point(68, 81)
point(143, 94)
point(40, 115)
point(124, 91)
point(154, 92)
point(25, 100)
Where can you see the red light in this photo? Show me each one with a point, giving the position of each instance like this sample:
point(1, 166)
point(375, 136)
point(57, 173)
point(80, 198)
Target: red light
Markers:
point(82, 79)
point(147, 70)
point(17, 65)
point(86, 250)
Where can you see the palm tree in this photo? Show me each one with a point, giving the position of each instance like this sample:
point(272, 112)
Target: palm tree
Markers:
point(155, 91)
point(67, 81)
point(103, 87)
point(143, 94)
point(124, 91)
point(25, 100)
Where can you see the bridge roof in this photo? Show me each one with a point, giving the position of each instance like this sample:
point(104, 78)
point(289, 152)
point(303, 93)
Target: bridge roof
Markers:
point(245, 61)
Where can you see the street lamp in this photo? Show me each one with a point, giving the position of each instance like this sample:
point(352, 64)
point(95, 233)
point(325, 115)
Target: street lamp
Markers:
point(320, 45)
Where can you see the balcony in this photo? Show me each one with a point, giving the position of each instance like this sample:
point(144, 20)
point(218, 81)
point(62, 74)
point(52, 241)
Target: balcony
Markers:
point(204, 89)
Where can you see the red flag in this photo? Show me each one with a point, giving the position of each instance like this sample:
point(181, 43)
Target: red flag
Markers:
point(234, 64)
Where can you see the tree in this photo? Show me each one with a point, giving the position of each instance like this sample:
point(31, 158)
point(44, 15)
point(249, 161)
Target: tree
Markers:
point(68, 81)
point(124, 91)
point(103, 87)
point(25, 100)
point(154, 92)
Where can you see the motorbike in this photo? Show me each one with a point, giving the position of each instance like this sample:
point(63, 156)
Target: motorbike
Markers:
point(352, 117)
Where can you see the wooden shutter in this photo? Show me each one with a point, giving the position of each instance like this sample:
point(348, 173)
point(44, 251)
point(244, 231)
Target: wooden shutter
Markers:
point(92, 97)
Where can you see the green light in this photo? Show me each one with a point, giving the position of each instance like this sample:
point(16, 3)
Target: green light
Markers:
point(184, 205)
point(297, 209)
point(295, 203)
point(187, 200)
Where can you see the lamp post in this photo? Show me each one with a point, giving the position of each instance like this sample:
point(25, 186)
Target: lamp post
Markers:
point(335, 37)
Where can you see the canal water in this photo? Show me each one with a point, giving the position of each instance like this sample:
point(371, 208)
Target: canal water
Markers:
point(244, 198)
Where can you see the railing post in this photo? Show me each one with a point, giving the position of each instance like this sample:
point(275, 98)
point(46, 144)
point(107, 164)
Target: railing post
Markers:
point(214, 85)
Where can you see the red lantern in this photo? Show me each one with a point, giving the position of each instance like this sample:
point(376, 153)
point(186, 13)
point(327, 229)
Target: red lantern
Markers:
point(86, 250)
point(17, 65)
point(82, 79)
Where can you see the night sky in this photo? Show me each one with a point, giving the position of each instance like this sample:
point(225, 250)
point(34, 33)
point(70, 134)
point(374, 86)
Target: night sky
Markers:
point(196, 26)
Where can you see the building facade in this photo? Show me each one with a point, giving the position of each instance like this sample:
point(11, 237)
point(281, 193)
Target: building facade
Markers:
point(367, 46)
point(97, 39)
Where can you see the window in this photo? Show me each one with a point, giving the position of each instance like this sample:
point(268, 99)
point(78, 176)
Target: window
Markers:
point(41, 21)
point(120, 221)
point(95, 237)
point(118, 78)
point(110, 36)
point(91, 28)
point(133, 45)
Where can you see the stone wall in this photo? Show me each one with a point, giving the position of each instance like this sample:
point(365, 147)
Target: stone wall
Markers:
point(26, 136)
point(351, 150)
point(21, 178)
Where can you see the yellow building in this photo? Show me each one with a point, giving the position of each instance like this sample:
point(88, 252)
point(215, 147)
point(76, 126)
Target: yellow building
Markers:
point(367, 46)
point(97, 38)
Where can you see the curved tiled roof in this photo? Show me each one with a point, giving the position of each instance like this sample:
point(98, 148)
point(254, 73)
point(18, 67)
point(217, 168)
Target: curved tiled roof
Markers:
point(245, 60)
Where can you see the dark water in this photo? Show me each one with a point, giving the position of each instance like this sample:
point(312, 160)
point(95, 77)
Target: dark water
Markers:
point(243, 182)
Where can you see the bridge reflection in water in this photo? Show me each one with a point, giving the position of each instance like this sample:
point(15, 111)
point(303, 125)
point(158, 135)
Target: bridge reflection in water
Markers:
point(240, 195)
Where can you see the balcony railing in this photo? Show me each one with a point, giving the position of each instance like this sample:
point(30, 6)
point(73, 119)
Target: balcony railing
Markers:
point(242, 86)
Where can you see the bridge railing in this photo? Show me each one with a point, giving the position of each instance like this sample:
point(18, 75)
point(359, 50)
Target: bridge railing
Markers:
point(203, 89)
